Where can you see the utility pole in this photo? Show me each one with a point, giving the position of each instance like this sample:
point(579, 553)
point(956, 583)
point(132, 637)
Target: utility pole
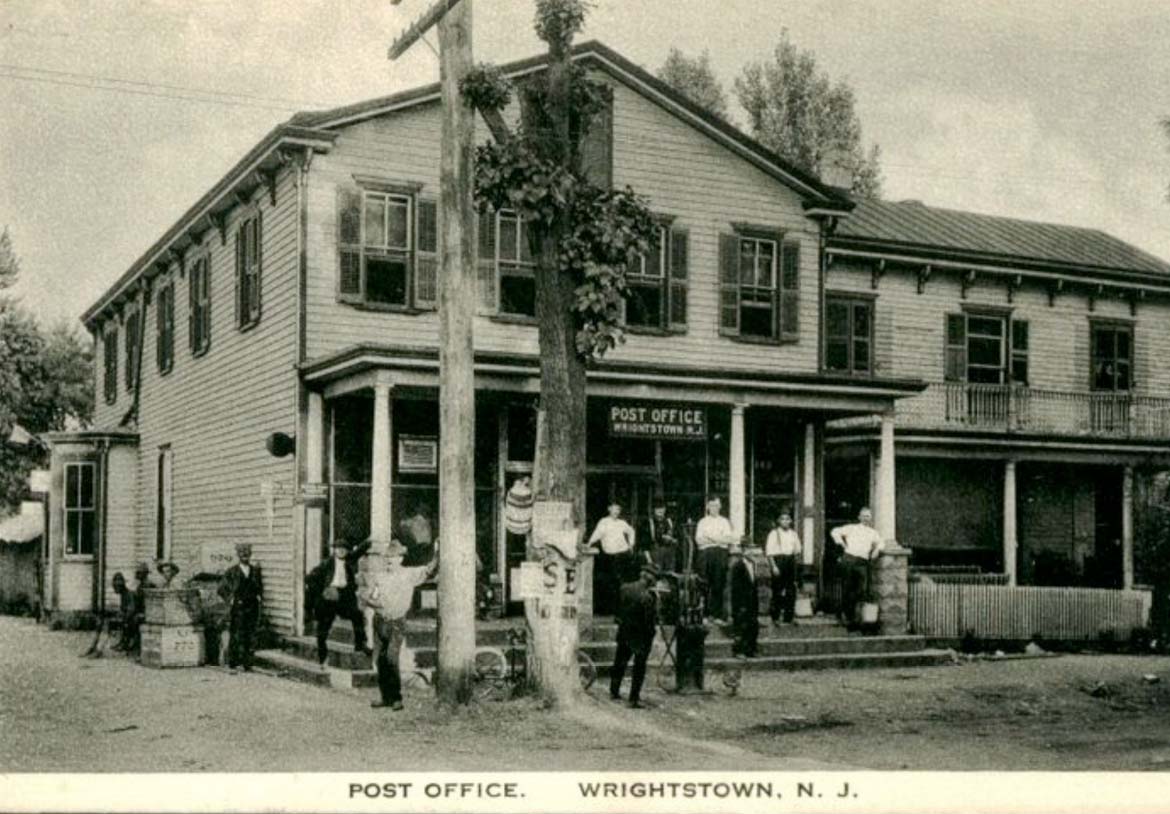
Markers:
point(457, 293)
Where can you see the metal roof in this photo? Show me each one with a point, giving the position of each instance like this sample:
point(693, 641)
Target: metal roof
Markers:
point(913, 225)
point(24, 527)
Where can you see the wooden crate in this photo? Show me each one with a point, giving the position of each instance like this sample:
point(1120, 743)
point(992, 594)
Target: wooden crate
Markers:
point(172, 646)
point(172, 607)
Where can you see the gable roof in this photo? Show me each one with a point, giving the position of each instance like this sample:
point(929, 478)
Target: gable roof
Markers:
point(915, 228)
point(816, 194)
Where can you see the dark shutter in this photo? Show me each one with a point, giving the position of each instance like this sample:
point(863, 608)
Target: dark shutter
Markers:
point(110, 348)
point(486, 264)
point(678, 278)
point(192, 310)
point(597, 148)
point(1019, 369)
point(349, 244)
point(789, 291)
point(205, 306)
point(728, 284)
point(838, 335)
point(241, 291)
point(132, 351)
point(165, 325)
point(426, 256)
point(257, 268)
point(955, 354)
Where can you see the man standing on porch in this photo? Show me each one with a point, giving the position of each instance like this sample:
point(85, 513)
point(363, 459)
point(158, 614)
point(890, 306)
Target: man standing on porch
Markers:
point(331, 591)
point(782, 549)
point(861, 543)
point(614, 566)
point(713, 536)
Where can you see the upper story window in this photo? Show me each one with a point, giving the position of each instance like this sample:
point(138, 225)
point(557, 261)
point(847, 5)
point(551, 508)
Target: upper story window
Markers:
point(985, 348)
point(110, 356)
point(133, 337)
point(199, 306)
point(1112, 356)
point(388, 249)
point(248, 263)
point(80, 510)
point(165, 326)
point(759, 286)
point(848, 334)
point(657, 283)
point(507, 269)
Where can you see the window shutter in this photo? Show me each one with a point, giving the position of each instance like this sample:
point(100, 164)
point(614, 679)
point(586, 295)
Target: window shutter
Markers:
point(205, 306)
point(349, 244)
point(596, 148)
point(678, 278)
point(160, 329)
point(240, 283)
point(192, 314)
point(132, 334)
point(426, 258)
point(728, 284)
point(1019, 367)
point(257, 266)
point(955, 363)
point(110, 348)
point(789, 291)
point(486, 265)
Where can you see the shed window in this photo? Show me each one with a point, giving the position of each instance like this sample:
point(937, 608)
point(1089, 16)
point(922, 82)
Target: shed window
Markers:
point(80, 507)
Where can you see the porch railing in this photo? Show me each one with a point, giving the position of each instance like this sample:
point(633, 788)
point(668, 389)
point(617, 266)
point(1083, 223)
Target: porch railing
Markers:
point(1017, 409)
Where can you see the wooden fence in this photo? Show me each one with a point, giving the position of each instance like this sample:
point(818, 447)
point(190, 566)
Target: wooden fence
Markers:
point(949, 611)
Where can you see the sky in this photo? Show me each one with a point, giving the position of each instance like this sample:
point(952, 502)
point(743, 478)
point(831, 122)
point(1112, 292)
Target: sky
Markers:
point(116, 116)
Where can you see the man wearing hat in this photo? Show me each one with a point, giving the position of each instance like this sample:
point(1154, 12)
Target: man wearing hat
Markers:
point(745, 604)
point(243, 589)
point(635, 634)
point(331, 591)
point(661, 538)
point(388, 588)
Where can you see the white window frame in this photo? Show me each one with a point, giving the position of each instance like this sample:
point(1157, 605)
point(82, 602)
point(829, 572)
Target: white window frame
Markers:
point(518, 267)
point(67, 510)
point(661, 281)
point(751, 295)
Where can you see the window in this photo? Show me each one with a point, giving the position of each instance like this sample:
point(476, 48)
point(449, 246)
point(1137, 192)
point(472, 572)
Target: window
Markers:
point(597, 148)
point(165, 326)
point(199, 310)
point(388, 249)
point(110, 352)
point(133, 336)
point(80, 509)
point(657, 283)
point(163, 498)
point(759, 287)
point(1112, 357)
point(978, 350)
point(848, 335)
point(507, 269)
point(248, 236)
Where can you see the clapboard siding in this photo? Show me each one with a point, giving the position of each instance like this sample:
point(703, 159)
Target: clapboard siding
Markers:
point(121, 515)
point(683, 173)
point(215, 411)
point(910, 326)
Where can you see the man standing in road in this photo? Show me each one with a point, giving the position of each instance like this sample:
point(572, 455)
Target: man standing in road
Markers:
point(331, 591)
point(636, 616)
point(243, 589)
point(860, 544)
point(713, 536)
point(783, 551)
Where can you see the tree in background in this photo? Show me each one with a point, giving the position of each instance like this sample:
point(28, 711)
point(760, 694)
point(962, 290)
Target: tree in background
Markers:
point(9, 262)
point(695, 79)
point(796, 110)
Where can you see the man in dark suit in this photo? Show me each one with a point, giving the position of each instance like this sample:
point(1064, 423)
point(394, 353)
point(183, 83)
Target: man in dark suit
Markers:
point(331, 591)
point(635, 634)
point(243, 589)
point(657, 537)
point(745, 604)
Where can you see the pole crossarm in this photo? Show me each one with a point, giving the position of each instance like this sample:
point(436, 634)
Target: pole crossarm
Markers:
point(415, 31)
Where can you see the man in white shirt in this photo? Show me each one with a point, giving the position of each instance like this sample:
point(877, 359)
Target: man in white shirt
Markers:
point(615, 565)
point(783, 551)
point(860, 544)
point(713, 536)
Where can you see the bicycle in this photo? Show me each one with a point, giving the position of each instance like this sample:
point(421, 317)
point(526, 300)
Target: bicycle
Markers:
point(497, 674)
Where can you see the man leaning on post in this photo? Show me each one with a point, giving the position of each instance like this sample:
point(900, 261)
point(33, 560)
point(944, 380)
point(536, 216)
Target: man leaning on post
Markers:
point(860, 544)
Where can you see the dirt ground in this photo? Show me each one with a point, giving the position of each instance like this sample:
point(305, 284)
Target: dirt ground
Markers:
point(60, 712)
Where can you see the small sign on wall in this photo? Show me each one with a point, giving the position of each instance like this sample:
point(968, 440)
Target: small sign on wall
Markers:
point(418, 453)
point(217, 557)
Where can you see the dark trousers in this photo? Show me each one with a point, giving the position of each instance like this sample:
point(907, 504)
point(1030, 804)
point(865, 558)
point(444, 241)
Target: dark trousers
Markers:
point(624, 651)
point(326, 611)
point(388, 636)
point(713, 570)
point(783, 587)
point(746, 633)
point(613, 570)
point(244, 619)
point(854, 576)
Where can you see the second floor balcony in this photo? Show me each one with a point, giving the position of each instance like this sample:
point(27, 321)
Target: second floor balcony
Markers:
point(1027, 410)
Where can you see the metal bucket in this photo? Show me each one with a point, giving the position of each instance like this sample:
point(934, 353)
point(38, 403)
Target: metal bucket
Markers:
point(869, 613)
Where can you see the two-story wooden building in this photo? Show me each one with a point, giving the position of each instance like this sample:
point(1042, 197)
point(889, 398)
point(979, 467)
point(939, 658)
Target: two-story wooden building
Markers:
point(307, 281)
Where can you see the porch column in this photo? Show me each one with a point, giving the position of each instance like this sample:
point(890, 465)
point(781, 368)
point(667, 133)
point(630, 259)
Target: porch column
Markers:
point(1010, 533)
point(314, 475)
point(1127, 528)
point(886, 486)
point(380, 530)
point(737, 491)
point(808, 495)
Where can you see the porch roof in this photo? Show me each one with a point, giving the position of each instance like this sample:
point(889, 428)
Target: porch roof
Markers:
point(418, 366)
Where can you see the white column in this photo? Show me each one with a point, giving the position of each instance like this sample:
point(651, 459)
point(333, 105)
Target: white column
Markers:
point(737, 492)
point(1127, 529)
point(887, 526)
point(1010, 532)
point(380, 530)
point(314, 451)
point(808, 497)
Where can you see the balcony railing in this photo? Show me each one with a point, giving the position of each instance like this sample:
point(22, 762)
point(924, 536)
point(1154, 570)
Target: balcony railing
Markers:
point(1018, 409)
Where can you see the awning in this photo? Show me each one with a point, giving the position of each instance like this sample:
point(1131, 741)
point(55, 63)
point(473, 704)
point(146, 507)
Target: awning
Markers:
point(24, 527)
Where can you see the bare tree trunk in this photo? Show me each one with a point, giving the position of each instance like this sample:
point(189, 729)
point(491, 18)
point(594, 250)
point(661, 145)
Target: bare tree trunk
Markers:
point(456, 366)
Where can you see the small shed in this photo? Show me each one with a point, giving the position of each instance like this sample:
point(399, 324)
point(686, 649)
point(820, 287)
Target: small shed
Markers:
point(20, 555)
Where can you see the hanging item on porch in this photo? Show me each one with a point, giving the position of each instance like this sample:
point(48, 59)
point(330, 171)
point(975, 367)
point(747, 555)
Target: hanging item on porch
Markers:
point(418, 454)
point(518, 507)
point(685, 422)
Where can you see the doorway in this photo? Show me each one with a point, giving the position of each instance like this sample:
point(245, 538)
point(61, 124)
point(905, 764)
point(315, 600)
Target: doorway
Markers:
point(634, 490)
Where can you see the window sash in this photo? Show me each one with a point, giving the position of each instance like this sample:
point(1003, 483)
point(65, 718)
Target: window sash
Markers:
point(132, 350)
point(1111, 354)
point(248, 267)
point(200, 304)
point(652, 272)
point(512, 261)
point(165, 325)
point(80, 508)
point(852, 339)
